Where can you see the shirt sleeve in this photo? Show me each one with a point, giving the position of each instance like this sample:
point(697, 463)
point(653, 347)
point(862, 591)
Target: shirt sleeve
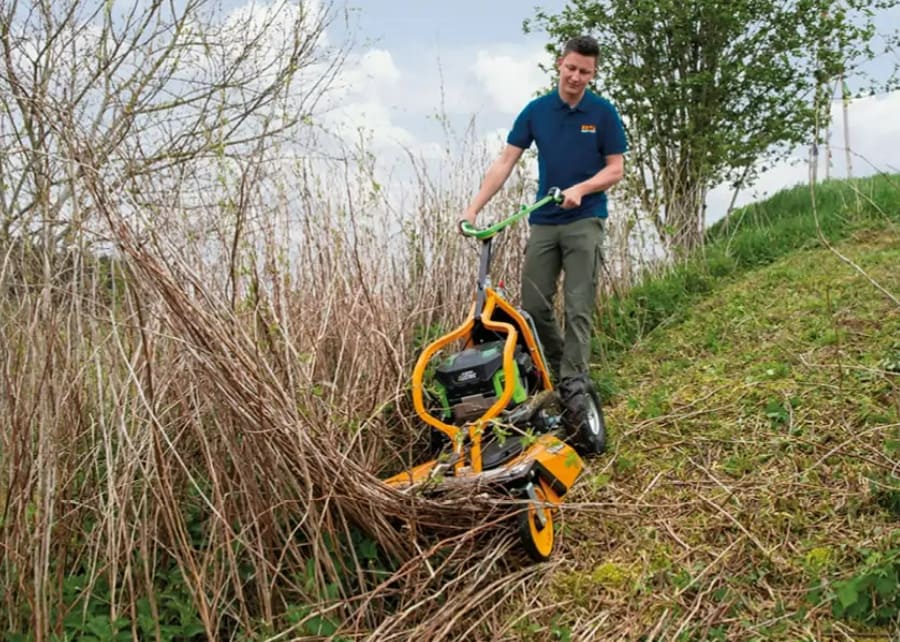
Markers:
point(521, 135)
point(613, 140)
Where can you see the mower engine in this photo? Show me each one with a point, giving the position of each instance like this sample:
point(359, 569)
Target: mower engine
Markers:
point(469, 382)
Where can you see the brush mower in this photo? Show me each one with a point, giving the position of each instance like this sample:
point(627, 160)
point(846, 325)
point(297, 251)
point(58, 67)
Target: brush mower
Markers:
point(504, 425)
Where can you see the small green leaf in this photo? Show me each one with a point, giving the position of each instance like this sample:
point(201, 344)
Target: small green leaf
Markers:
point(847, 595)
point(318, 625)
point(887, 585)
point(368, 550)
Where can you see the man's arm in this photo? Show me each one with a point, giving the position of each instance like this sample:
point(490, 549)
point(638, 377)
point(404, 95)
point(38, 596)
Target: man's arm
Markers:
point(599, 182)
point(494, 179)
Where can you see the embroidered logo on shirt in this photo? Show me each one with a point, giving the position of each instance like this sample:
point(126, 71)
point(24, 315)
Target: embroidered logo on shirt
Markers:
point(588, 129)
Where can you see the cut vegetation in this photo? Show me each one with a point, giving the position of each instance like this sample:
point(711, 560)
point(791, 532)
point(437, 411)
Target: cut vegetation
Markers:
point(752, 490)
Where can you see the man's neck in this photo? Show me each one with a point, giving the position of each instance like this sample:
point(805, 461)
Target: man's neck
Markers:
point(571, 102)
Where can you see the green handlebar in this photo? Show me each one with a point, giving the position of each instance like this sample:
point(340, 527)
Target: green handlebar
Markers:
point(554, 194)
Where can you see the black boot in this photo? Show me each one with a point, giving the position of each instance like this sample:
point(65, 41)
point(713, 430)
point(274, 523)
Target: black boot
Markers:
point(573, 392)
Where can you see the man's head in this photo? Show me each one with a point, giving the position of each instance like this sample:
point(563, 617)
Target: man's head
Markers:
point(582, 45)
point(577, 66)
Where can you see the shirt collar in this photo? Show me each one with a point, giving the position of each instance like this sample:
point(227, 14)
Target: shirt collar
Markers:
point(562, 104)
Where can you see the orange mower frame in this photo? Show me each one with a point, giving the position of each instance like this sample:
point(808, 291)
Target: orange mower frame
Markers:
point(540, 471)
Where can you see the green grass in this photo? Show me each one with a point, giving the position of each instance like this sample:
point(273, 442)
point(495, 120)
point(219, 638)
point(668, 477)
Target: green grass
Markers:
point(751, 490)
point(751, 237)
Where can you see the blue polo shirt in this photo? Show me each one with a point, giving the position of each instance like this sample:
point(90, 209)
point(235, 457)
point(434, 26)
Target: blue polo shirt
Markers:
point(572, 143)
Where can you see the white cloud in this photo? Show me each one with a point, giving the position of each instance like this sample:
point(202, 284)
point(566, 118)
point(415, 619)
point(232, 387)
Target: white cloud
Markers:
point(364, 75)
point(510, 79)
point(378, 66)
point(874, 129)
point(373, 120)
point(358, 105)
point(446, 90)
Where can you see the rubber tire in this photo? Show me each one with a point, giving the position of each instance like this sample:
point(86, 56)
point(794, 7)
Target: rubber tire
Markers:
point(591, 437)
point(537, 542)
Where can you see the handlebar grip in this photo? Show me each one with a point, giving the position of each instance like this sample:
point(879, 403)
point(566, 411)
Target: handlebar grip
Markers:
point(466, 228)
point(554, 194)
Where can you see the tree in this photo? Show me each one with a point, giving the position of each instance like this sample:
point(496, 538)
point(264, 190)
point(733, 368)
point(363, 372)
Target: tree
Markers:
point(164, 94)
point(710, 91)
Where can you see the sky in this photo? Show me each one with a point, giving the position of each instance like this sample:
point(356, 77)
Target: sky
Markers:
point(413, 60)
point(461, 58)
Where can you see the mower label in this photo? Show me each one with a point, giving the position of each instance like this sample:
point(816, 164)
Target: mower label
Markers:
point(555, 448)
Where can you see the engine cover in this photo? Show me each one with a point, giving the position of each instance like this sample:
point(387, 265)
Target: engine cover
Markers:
point(469, 382)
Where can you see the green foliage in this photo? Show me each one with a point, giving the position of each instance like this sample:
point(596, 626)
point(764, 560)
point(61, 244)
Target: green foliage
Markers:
point(604, 381)
point(528, 629)
point(84, 605)
point(86, 612)
point(313, 610)
point(709, 89)
point(560, 631)
point(366, 566)
point(311, 623)
point(870, 596)
point(885, 490)
point(424, 335)
point(777, 413)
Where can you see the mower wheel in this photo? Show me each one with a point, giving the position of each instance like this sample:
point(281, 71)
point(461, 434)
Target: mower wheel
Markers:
point(591, 436)
point(537, 537)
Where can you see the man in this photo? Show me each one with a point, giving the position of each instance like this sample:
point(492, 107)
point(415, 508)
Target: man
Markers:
point(581, 143)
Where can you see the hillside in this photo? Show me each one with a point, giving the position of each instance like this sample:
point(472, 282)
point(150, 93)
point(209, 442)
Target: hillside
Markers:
point(184, 465)
point(751, 489)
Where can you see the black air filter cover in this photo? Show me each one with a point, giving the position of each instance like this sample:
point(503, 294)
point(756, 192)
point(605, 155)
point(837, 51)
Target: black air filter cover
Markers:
point(472, 370)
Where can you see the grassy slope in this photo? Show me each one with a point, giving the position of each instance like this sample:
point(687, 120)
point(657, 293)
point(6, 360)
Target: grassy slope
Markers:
point(753, 441)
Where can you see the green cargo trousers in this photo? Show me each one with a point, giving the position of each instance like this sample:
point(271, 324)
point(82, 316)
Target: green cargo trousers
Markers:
point(575, 249)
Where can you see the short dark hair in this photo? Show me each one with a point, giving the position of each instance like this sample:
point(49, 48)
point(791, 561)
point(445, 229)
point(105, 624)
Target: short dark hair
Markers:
point(584, 45)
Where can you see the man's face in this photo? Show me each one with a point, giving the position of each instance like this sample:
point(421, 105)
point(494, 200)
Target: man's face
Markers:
point(575, 72)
